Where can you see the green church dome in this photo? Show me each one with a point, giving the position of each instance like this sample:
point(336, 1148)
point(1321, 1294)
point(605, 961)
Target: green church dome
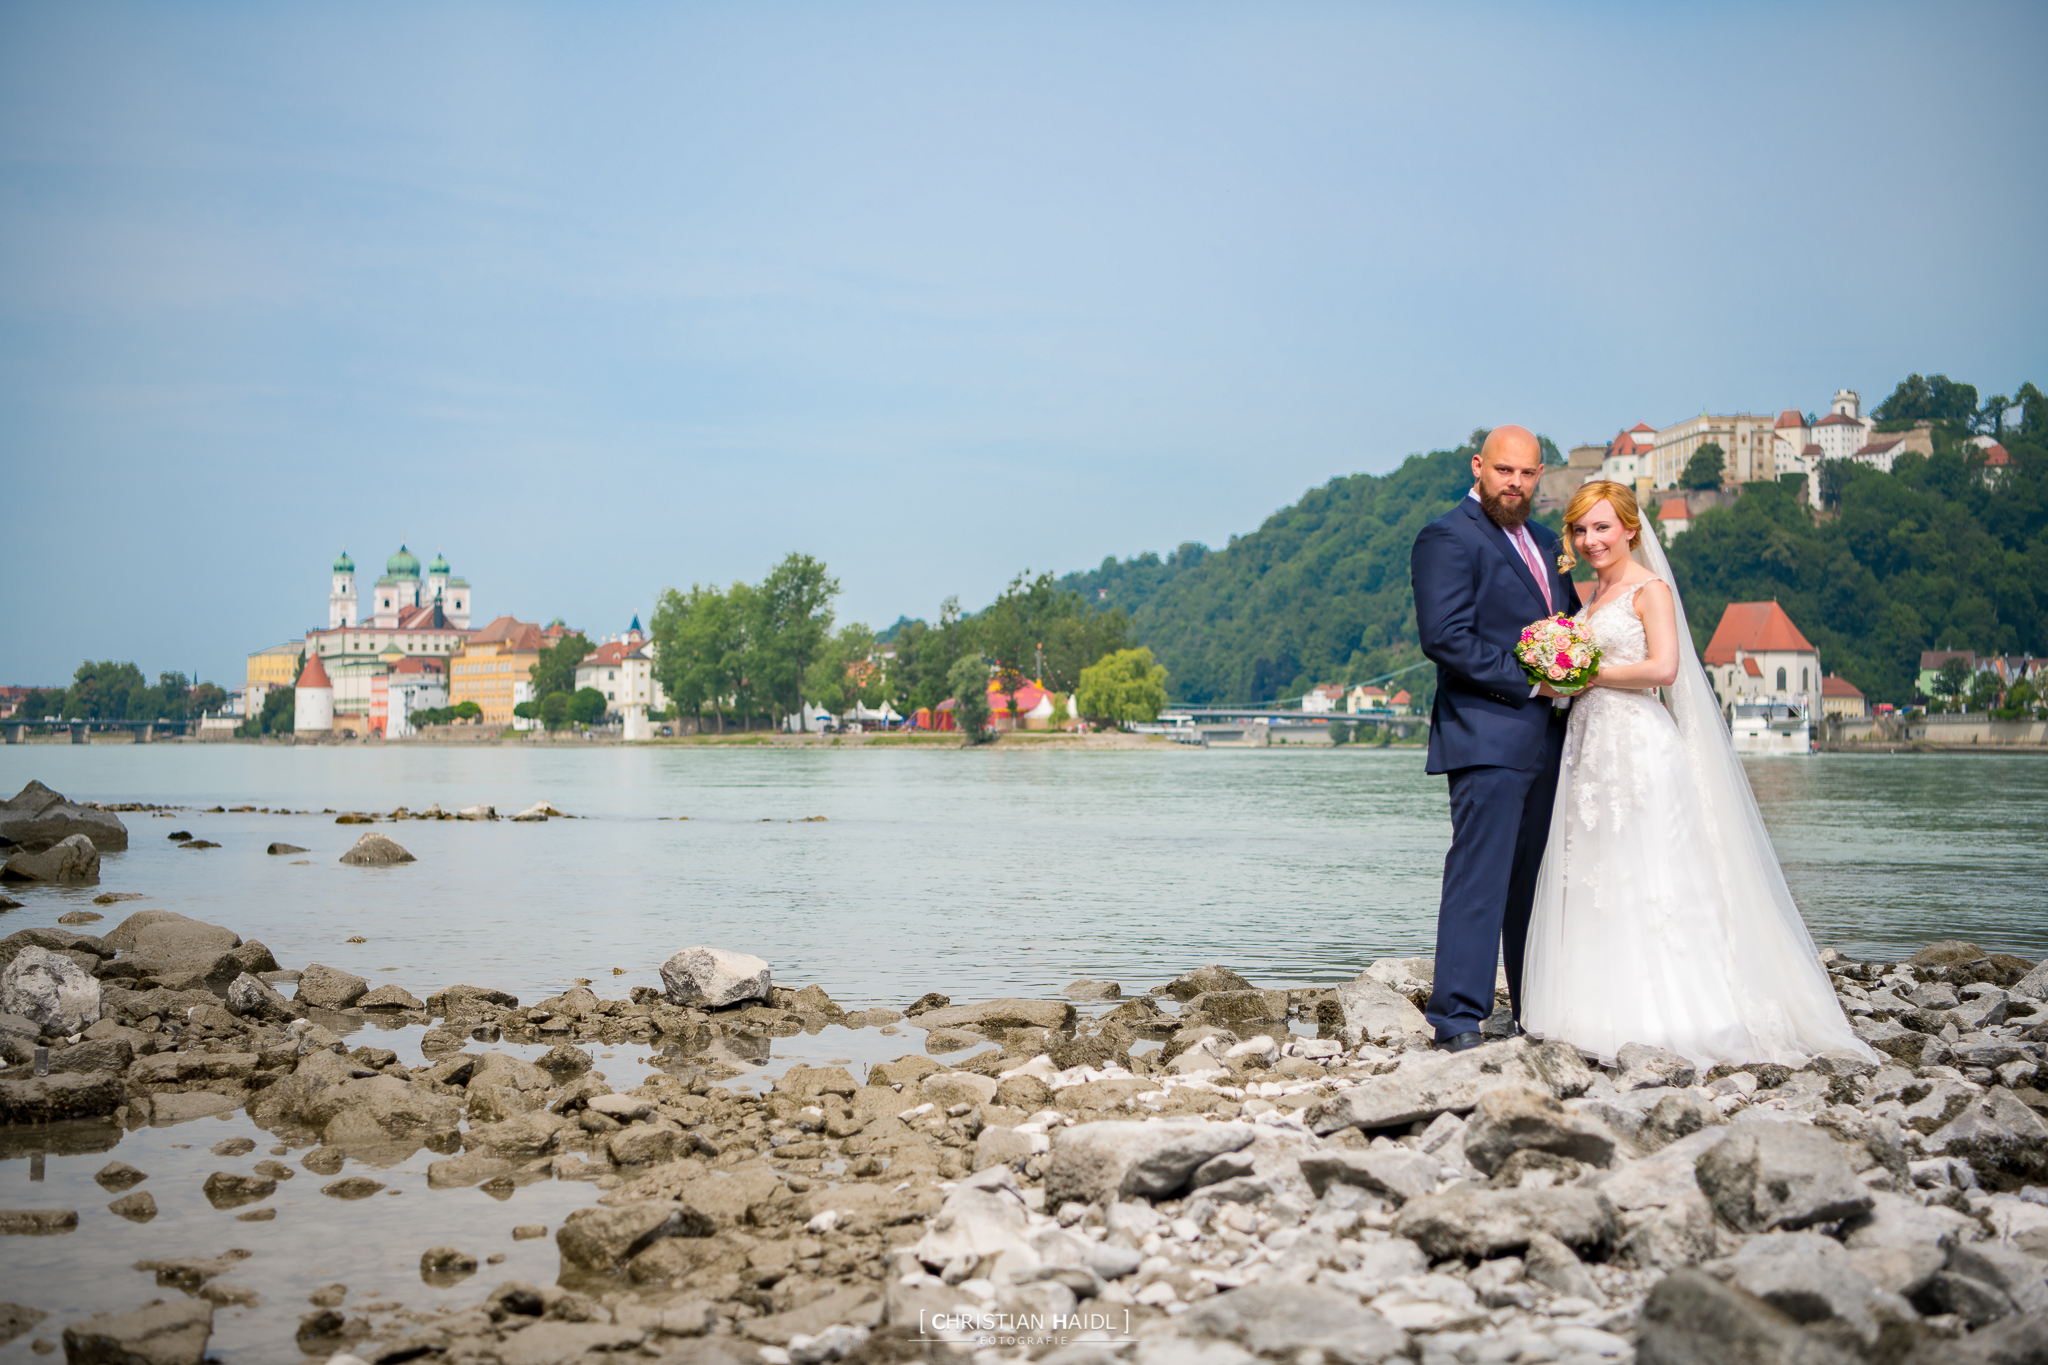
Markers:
point(404, 564)
point(439, 566)
point(343, 564)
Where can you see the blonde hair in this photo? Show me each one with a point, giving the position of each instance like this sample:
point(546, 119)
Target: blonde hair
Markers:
point(1619, 495)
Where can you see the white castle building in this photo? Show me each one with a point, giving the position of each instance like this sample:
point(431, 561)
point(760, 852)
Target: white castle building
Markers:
point(410, 615)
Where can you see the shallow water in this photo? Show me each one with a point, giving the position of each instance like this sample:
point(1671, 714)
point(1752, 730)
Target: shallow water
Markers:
point(972, 873)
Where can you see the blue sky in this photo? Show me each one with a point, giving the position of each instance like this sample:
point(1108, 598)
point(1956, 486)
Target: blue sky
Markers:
point(600, 299)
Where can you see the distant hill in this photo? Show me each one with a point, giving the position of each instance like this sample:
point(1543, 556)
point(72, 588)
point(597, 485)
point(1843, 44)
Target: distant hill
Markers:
point(1318, 594)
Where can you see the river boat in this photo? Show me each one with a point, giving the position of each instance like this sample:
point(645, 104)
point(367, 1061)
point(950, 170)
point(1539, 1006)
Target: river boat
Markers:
point(1771, 727)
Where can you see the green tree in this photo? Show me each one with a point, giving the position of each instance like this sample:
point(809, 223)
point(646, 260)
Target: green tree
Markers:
point(554, 710)
point(1703, 470)
point(555, 670)
point(206, 699)
point(1936, 398)
point(969, 681)
point(925, 655)
point(2020, 699)
point(1551, 454)
point(1340, 732)
point(846, 671)
point(100, 691)
point(278, 715)
point(1985, 689)
point(1123, 687)
point(790, 618)
point(1952, 680)
point(700, 650)
point(586, 706)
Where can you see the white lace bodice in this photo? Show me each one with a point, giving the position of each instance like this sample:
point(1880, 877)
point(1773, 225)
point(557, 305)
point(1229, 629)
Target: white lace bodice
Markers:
point(1617, 629)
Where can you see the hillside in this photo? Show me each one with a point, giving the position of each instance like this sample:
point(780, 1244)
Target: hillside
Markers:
point(1318, 594)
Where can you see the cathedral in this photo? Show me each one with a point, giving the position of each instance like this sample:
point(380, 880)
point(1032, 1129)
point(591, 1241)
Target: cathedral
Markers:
point(400, 595)
point(413, 623)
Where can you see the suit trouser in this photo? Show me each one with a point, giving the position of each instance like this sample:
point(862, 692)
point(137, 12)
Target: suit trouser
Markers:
point(1500, 821)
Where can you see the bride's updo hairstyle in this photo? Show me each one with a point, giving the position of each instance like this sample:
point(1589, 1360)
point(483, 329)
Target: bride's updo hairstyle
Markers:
point(1594, 491)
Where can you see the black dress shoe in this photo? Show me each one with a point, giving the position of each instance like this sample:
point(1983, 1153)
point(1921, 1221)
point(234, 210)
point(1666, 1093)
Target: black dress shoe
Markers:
point(1461, 1042)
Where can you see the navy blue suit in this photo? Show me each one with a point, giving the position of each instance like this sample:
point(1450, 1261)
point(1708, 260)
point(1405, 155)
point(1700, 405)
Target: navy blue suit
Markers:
point(1499, 745)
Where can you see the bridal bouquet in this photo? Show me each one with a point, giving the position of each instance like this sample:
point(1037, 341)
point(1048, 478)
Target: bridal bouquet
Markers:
point(1559, 651)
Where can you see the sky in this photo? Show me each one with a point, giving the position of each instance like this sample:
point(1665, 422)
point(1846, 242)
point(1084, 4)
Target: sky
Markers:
point(598, 300)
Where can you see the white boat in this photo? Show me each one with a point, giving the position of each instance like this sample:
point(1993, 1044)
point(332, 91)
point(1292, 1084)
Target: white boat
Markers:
point(1771, 727)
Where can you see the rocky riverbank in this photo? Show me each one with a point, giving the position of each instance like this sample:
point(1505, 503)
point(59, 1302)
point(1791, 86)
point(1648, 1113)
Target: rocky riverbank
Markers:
point(1069, 1189)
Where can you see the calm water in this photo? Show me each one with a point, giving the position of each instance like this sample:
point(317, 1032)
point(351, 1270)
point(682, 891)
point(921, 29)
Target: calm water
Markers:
point(972, 873)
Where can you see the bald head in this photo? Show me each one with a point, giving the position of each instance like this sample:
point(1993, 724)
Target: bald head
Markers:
point(1505, 472)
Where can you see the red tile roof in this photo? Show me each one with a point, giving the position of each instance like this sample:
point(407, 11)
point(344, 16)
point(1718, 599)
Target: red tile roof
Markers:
point(522, 636)
point(1994, 454)
point(1751, 667)
point(1644, 426)
point(613, 653)
point(1674, 509)
point(1790, 417)
point(314, 674)
point(1755, 628)
point(1834, 685)
point(1836, 419)
point(1812, 448)
point(1879, 447)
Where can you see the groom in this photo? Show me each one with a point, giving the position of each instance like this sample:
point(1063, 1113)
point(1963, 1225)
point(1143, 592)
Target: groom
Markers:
point(1481, 573)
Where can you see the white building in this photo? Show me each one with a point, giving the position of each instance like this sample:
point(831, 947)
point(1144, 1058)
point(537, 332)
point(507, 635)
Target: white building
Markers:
point(313, 700)
point(412, 686)
point(1323, 699)
point(1674, 519)
point(1757, 654)
point(623, 669)
point(410, 616)
point(1845, 430)
point(1746, 440)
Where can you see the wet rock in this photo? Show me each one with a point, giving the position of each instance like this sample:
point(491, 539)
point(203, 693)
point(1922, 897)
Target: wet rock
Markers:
point(469, 1168)
point(37, 1222)
point(376, 850)
point(389, 998)
point(283, 848)
point(563, 1062)
point(227, 1190)
point(1769, 1176)
point(36, 818)
point(1366, 1009)
point(234, 1146)
point(945, 1089)
point(1512, 1118)
point(351, 1187)
point(1399, 1173)
point(1693, 1319)
point(646, 1144)
point(51, 1099)
point(330, 989)
point(253, 999)
point(1202, 980)
point(604, 1239)
point(164, 1333)
point(1001, 1014)
point(1472, 1221)
point(69, 916)
point(379, 1109)
point(119, 1175)
point(528, 1134)
point(1430, 1083)
point(52, 991)
point(1095, 1162)
point(941, 1041)
point(1226, 1008)
point(1086, 990)
point(444, 1266)
point(139, 1206)
point(17, 1318)
point(712, 977)
point(1283, 1319)
point(186, 954)
point(68, 862)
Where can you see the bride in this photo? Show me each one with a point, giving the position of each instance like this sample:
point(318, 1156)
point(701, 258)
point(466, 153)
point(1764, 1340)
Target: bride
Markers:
point(1661, 914)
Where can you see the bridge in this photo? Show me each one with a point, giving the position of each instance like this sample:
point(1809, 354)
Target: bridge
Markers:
point(143, 730)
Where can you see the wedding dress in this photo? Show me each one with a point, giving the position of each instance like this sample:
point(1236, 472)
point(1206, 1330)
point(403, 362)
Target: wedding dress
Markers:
point(1661, 914)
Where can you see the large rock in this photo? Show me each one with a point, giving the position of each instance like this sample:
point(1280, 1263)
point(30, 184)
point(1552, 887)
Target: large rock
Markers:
point(68, 862)
point(1202, 980)
point(1767, 1176)
point(188, 954)
point(711, 977)
point(37, 818)
point(1474, 1221)
point(1812, 1280)
point(1100, 1162)
point(1663, 1178)
point(1430, 1083)
point(329, 988)
point(1287, 1320)
point(1999, 1135)
point(376, 850)
point(52, 1099)
point(379, 1109)
point(1399, 1173)
point(1367, 1010)
point(253, 999)
point(1006, 1013)
point(52, 991)
point(1693, 1319)
point(1514, 1118)
point(975, 1223)
point(164, 1333)
point(604, 1239)
point(2034, 985)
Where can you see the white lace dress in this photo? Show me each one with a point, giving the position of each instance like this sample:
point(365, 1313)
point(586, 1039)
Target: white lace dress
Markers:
point(1633, 937)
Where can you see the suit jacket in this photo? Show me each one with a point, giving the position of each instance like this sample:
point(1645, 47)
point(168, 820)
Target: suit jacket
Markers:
point(1473, 595)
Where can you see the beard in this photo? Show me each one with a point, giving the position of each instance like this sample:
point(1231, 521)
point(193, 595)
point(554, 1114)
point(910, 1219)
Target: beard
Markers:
point(1504, 511)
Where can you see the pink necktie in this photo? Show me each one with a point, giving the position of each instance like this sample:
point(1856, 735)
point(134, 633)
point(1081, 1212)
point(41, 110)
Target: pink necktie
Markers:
point(1527, 545)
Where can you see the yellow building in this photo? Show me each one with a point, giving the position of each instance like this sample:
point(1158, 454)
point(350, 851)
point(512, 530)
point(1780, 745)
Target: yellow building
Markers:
point(276, 666)
point(495, 668)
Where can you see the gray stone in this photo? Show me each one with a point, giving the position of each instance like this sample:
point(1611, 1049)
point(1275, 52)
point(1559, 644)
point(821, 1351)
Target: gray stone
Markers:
point(606, 1238)
point(51, 1099)
point(2019, 1275)
point(163, 1333)
point(1812, 1279)
point(1203, 979)
point(2021, 1339)
point(1099, 1162)
point(1675, 1116)
point(1005, 1013)
point(1280, 1318)
point(253, 999)
point(1236, 1007)
point(53, 992)
point(974, 1223)
point(1430, 1083)
point(1552, 1264)
point(282, 848)
point(1511, 1118)
point(229, 1190)
point(1998, 1134)
point(188, 954)
point(378, 1109)
point(1400, 1173)
point(376, 850)
point(68, 862)
point(1085, 989)
point(445, 1266)
point(1665, 1177)
point(1969, 1298)
point(1691, 1318)
point(389, 997)
point(1367, 1010)
point(2034, 985)
point(1770, 1176)
point(36, 818)
point(1681, 1233)
point(328, 988)
point(469, 1168)
point(137, 1206)
point(1643, 1068)
point(1473, 1221)
point(711, 977)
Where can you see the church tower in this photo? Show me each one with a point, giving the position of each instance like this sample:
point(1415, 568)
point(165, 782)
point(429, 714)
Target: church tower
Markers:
point(341, 598)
